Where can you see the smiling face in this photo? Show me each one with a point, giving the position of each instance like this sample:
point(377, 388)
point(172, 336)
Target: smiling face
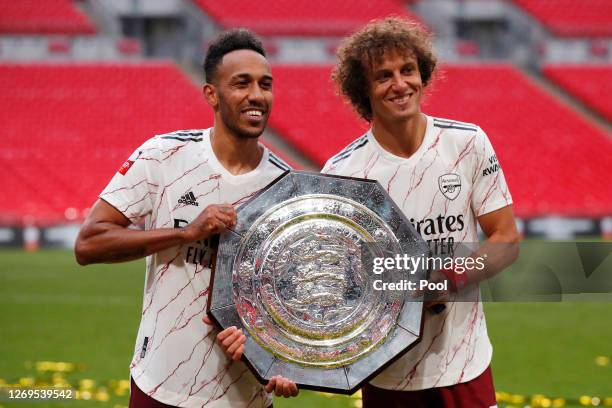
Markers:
point(243, 89)
point(395, 87)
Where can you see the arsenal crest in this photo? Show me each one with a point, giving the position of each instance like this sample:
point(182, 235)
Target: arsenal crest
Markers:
point(450, 185)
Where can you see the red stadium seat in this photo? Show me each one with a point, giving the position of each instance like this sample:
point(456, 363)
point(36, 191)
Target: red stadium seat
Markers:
point(43, 17)
point(549, 153)
point(300, 17)
point(599, 49)
point(468, 49)
point(58, 45)
point(129, 46)
point(589, 83)
point(571, 18)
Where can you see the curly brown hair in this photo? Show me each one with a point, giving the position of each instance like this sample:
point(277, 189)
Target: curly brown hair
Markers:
point(367, 46)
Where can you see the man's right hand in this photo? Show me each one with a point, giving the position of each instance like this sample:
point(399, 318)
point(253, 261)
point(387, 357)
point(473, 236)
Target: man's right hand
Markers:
point(105, 236)
point(215, 219)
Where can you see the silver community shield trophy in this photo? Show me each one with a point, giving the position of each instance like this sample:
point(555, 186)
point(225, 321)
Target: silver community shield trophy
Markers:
point(296, 273)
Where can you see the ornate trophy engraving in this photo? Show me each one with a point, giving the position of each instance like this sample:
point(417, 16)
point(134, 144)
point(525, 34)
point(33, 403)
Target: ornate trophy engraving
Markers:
point(296, 274)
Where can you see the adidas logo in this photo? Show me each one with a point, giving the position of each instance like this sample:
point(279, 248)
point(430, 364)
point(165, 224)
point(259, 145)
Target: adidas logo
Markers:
point(188, 199)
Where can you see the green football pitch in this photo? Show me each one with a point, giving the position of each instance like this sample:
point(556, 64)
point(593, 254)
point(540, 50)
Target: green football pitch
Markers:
point(61, 323)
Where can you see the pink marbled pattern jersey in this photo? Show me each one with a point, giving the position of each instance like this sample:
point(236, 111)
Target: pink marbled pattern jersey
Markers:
point(170, 180)
point(452, 179)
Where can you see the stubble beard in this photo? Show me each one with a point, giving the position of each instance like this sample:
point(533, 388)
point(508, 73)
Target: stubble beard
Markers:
point(232, 125)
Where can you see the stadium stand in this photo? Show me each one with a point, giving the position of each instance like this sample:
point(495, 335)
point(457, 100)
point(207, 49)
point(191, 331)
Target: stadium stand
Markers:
point(59, 119)
point(550, 155)
point(43, 17)
point(300, 17)
point(309, 114)
point(591, 84)
point(68, 127)
point(570, 18)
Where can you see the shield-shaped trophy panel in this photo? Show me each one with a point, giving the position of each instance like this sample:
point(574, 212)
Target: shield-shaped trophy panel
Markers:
point(296, 274)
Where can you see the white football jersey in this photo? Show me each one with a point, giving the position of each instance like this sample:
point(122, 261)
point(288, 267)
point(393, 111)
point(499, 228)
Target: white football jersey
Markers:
point(452, 179)
point(169, 181)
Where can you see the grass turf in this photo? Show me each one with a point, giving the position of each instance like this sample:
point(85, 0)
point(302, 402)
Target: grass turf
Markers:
point(52, 309)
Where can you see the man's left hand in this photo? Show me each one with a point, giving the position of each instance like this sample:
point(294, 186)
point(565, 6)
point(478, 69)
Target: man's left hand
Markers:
point(231, 340)
point(282, 387)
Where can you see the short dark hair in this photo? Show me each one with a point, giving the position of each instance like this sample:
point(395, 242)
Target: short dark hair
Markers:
point(226, 42)
point(368, 45)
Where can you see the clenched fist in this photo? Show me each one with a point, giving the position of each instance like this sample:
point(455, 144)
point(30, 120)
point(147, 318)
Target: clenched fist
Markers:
point(215, 219)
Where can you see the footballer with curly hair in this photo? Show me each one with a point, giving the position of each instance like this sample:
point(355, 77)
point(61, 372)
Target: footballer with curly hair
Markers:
point(438, 172)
